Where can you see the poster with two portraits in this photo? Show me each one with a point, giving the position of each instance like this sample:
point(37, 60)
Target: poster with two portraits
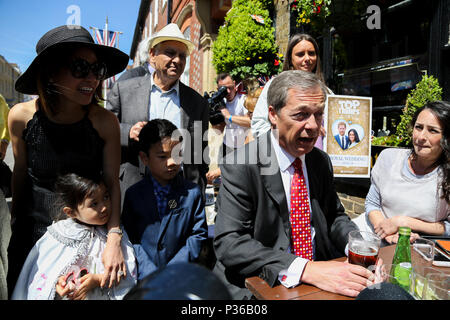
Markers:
point(348, 125)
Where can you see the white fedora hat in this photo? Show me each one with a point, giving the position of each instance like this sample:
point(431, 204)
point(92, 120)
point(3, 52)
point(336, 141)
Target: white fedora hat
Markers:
point(170, 32)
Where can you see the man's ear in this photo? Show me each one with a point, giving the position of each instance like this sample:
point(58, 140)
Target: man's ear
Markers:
point(273, 116)
point(144, 157)
point(151, 55)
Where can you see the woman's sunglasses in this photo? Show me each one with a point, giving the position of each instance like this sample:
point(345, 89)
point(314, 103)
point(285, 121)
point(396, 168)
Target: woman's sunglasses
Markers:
point(80, 68)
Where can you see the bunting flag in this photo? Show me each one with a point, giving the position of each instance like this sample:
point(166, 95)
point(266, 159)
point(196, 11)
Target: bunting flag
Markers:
point(101, 37)
point(263, 80)
point(258, 19)
point(106, 38)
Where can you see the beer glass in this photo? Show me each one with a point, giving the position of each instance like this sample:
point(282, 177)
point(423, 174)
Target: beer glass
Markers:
point(363, 248)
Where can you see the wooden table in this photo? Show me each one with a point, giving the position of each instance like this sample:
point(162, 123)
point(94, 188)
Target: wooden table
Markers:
point(262, 291)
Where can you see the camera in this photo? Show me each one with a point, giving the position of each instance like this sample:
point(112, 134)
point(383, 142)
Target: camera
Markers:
point(215, 103)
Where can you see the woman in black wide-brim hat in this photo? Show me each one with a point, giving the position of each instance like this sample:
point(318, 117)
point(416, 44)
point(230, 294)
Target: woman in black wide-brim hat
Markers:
point(64, 130)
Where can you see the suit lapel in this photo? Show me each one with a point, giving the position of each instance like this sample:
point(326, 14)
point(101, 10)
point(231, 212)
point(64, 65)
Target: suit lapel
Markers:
point(273, 182)
point(173, 203)
point(184, 105)
point(143, 99)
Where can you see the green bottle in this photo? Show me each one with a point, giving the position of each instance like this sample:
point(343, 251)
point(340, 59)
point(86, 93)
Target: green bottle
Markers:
point(402, 259)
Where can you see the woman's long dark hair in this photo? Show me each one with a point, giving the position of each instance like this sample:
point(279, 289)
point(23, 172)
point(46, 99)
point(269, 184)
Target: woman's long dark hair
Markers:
point(441, 110)
point(292, 43)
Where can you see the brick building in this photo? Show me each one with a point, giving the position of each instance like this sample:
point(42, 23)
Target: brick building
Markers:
point(9, 72)
point(198, 20)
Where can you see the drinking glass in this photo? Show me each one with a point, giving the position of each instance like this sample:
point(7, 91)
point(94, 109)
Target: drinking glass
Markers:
point(395, 274)
point(419, 278)
point(363, 248)
point(437, 287)
point(422, 253)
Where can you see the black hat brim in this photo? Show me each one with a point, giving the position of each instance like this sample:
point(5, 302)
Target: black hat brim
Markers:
point(116, 61)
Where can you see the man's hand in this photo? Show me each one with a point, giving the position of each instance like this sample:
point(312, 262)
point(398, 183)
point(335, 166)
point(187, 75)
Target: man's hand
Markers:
point(338, 277)
point(212, 175)
point(225, 112)
point(136, 129)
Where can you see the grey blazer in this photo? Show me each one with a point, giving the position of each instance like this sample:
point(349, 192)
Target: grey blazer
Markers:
point(252, 230)
point(129, 101)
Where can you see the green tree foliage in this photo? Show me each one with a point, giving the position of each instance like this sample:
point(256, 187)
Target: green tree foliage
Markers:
point(427, 90)
point(245, 46)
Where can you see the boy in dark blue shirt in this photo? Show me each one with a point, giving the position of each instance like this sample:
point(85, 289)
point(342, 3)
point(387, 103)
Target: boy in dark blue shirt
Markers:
point(163, 214)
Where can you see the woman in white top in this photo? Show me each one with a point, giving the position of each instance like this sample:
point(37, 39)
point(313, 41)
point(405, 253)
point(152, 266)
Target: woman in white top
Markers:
point(302, 54)
point(412, 187)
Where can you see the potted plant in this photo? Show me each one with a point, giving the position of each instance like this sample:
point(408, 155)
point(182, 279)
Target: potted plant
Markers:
point(245, 46)
point(426, 90)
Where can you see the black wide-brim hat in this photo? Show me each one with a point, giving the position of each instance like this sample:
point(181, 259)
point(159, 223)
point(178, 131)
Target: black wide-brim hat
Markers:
point(115, 60)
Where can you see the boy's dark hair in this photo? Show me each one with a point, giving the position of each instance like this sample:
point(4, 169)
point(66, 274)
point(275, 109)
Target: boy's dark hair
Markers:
point(155, 131)
point(72, 190)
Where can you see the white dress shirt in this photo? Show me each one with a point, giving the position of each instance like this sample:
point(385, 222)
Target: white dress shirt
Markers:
point(291, 277)
point(234, 136)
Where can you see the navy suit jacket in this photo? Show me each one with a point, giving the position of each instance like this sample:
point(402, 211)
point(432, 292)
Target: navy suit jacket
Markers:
point(346, 141)
point(177, 237)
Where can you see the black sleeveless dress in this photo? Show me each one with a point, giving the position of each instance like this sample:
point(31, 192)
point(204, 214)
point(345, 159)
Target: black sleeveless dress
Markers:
point(56, 149)
point(52, 150)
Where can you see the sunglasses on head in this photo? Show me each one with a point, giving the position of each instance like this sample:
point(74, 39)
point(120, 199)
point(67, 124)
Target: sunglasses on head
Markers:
point(80, 68)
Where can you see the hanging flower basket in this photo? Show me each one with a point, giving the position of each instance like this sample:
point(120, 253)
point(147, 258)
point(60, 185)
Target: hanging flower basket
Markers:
point(309, 12)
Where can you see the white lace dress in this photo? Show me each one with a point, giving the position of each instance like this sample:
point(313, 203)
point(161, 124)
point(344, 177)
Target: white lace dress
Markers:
point(67, 245)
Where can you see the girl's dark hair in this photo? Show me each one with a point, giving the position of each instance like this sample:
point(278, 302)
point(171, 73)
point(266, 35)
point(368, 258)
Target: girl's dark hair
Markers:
point(292, 43)
point(51, 62)
point(441, 110)
point(155, 131)
point(72, 190)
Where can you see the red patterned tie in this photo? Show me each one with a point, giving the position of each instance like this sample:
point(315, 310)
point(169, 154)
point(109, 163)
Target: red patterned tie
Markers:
point(300, 214)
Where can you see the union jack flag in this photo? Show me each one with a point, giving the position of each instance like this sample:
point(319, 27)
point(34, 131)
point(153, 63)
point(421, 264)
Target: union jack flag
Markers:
point(106, 38)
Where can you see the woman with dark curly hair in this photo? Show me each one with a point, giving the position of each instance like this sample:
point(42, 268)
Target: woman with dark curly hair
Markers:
point(411, 188)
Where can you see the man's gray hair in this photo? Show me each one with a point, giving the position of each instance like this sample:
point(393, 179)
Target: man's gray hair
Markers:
point(143, 51)
point(292, 79)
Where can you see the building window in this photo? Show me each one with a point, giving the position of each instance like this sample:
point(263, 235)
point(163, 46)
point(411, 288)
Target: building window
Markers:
point(156, 13)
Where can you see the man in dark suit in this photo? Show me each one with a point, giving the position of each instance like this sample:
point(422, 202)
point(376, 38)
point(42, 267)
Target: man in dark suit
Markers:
point(341, 137)
point(161, 95)
point(257, 226)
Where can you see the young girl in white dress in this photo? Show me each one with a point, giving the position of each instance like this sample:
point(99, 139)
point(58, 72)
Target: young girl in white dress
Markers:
point(66, 263)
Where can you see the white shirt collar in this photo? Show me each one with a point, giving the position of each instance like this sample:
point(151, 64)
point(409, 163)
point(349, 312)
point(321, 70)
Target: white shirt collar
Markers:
point(175, 87)
point(284, 158)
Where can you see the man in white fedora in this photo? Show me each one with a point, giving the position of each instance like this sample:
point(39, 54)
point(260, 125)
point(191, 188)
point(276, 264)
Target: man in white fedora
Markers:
point(161, 95)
